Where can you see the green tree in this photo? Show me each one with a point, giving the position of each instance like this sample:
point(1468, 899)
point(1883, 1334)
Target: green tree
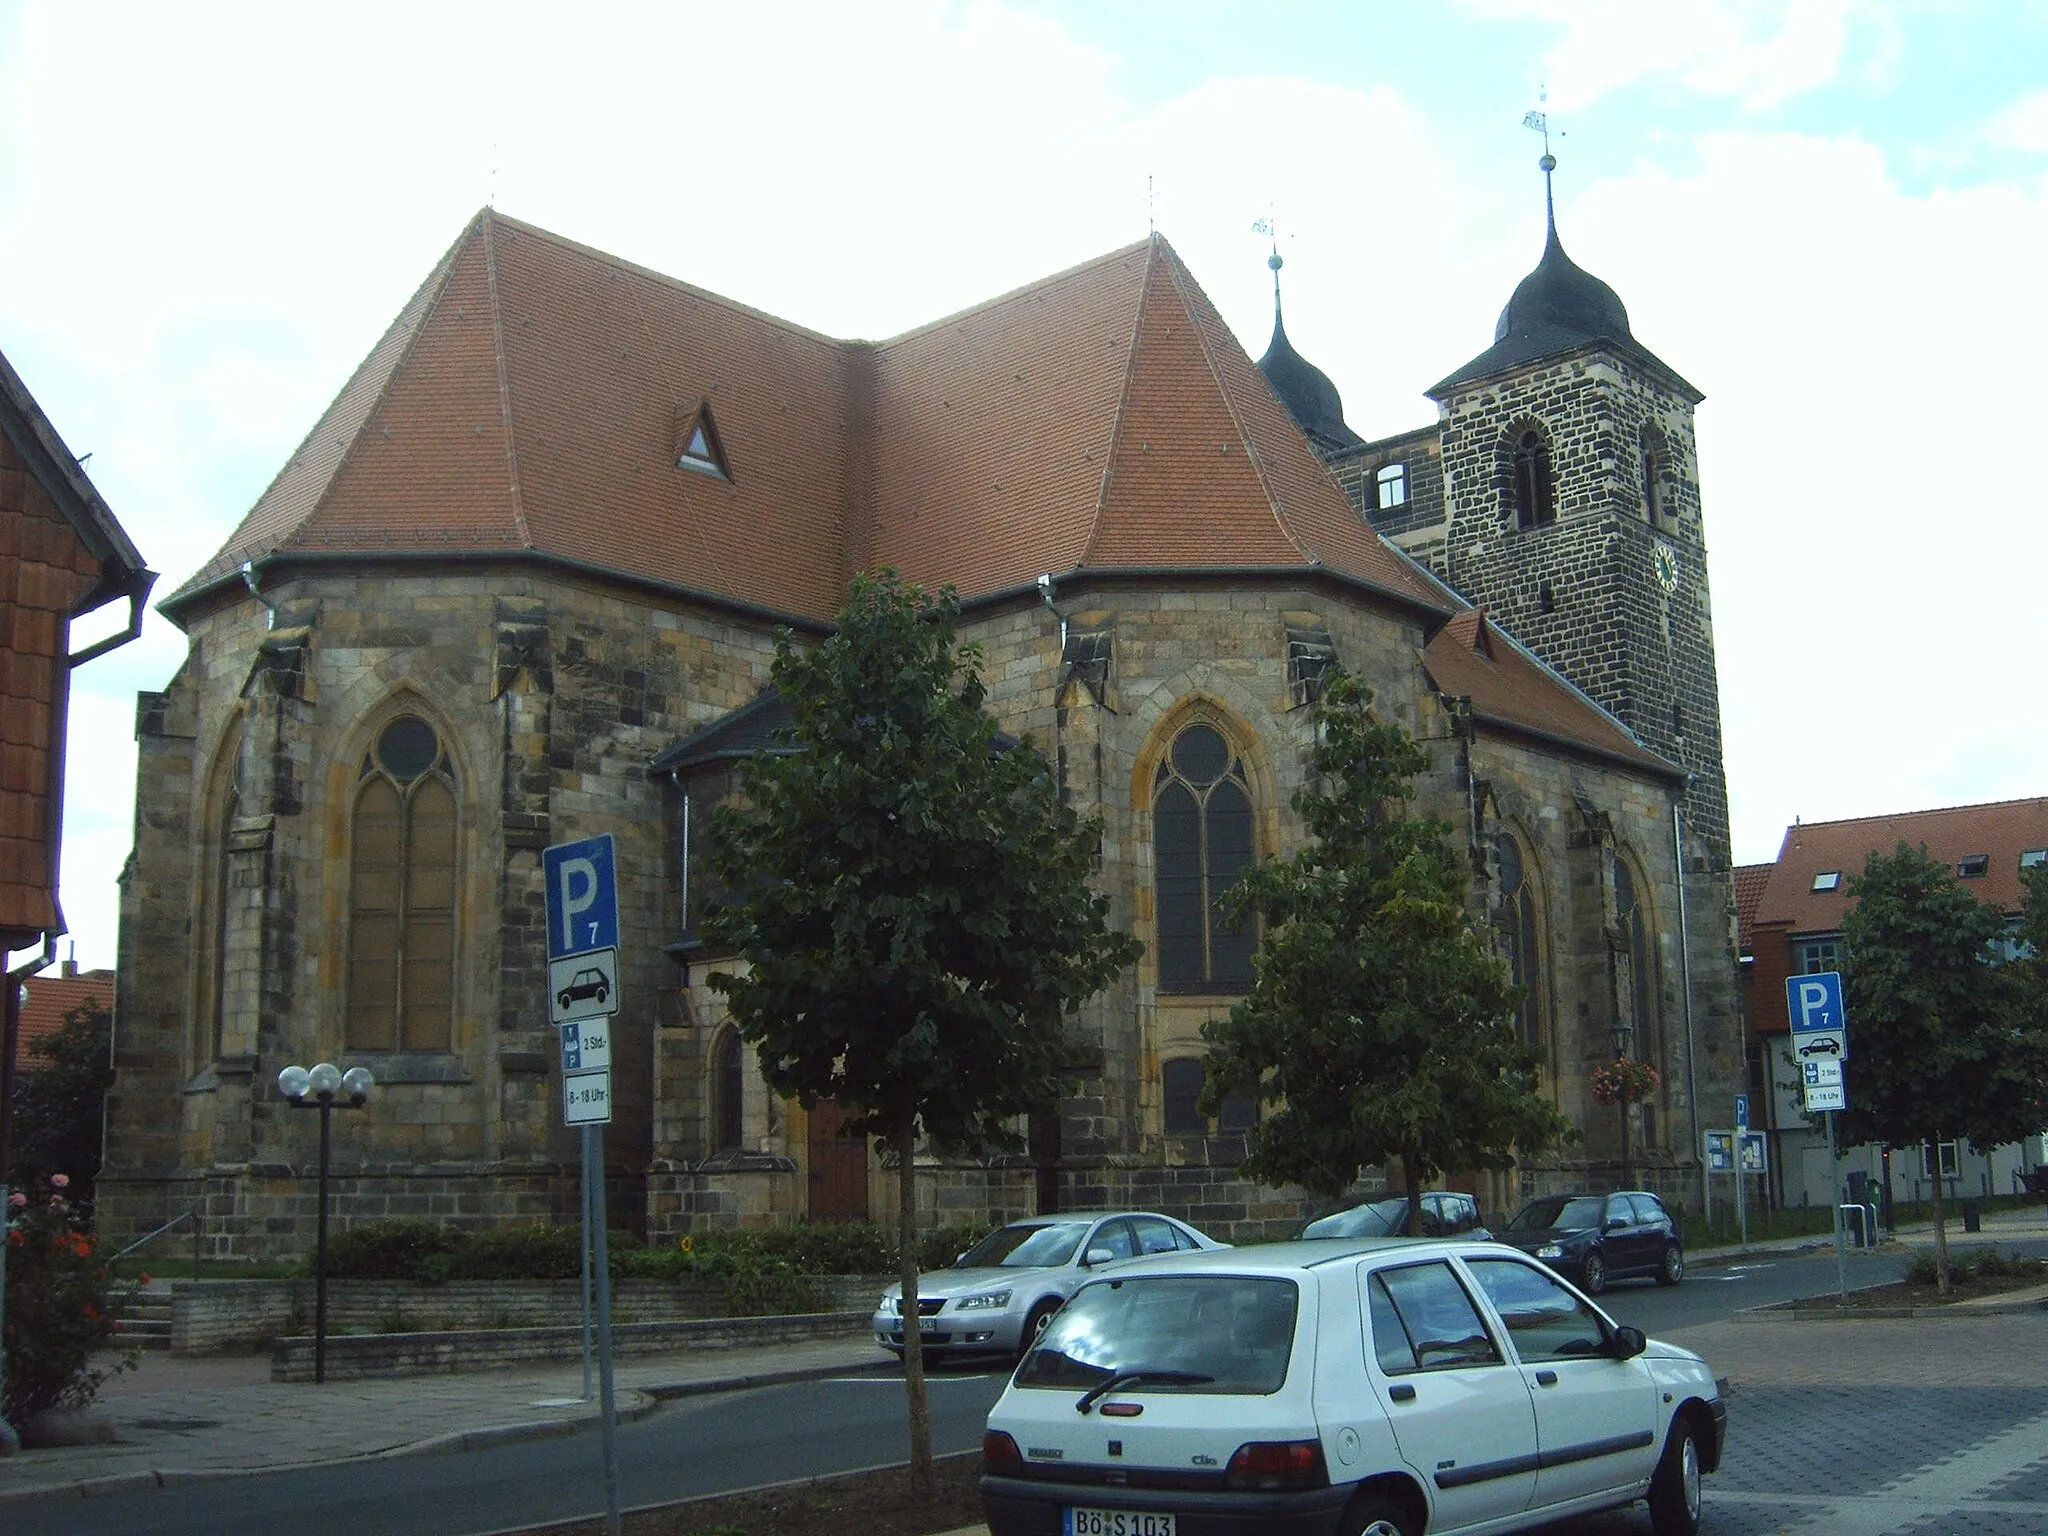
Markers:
point(917, 921)
point(1943, 1048)
point(60, 1101)
point(1379, 1025)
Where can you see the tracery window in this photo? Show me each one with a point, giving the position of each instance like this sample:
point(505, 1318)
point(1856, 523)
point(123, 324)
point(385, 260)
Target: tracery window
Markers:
point(401, 972)
point(1635, 937)
point(1202, 843)
point(728, 1078)
point(1518, 934)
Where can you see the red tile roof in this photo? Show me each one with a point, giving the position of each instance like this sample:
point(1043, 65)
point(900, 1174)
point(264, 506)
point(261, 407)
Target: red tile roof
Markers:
point(528, 399)
point(1471, 657)
point(45, 1000)
point(1751, 880)
point(2001, 831)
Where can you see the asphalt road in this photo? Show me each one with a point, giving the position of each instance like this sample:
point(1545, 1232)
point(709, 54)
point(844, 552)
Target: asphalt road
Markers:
point(719, 1444)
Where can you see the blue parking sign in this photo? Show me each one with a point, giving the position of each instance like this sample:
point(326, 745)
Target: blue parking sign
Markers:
point(1815, 1003)
point(582, 896)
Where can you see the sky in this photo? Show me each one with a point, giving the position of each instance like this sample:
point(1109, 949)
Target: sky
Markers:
point(1829, 215)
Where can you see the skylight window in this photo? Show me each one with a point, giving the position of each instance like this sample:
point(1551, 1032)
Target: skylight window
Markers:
point(1828, 880)
point(697, 444)
point(1973, 866)
point(2034, 858)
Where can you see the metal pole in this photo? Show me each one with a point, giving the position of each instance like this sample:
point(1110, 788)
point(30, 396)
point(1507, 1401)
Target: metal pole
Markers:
point(1628, 1180)
point(1741, 1186)
point(1834, 1193)
point(583, 1193)
point(320, 1252)
point(593, 1159)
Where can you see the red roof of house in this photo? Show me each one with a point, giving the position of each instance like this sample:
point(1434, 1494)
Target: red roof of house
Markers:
point(1751, 880)
point(2002, 832)
point(530, 399)
point(45, 1000)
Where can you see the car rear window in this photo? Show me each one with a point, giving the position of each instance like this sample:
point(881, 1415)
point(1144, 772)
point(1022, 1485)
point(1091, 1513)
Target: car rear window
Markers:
point(1234, 1330)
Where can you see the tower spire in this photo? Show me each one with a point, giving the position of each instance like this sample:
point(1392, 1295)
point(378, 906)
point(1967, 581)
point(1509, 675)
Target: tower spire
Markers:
point(1539, 119)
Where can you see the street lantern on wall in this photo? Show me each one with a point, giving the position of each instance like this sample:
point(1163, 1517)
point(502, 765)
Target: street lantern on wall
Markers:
point(324, 1087)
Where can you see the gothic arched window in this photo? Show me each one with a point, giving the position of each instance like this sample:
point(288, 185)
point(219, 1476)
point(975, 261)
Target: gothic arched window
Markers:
point(1202, 843)
point(1518, 933)
point(1635, 939)
point(728, 1080)
point(211, 1028)
point(1534, 492)
point(401, 957)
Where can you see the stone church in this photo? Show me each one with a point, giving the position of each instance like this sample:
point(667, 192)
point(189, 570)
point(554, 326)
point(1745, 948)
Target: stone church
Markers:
point(520, 585)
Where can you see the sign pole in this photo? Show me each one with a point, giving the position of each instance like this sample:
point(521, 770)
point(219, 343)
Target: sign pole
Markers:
point(593, 1163)
point(1741, 1173)
point(583, 1181)
point(1835, 1189)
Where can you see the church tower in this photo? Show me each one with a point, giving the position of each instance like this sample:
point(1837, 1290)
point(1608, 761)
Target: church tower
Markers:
point(1571, 510)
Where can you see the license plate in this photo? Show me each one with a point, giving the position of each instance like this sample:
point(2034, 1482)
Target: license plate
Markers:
point(1116, 1522)
point(927, 1325)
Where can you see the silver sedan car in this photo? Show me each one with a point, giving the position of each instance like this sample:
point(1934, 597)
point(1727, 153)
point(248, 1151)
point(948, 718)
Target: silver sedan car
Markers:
point(1000, 1294)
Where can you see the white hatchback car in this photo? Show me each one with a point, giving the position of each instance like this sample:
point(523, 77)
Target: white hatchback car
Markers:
point(999, 1294)
point(1388, 1387)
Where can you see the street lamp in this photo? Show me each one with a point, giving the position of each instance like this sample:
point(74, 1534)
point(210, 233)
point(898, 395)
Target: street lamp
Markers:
point(318, 1088)
point(1622, 1035)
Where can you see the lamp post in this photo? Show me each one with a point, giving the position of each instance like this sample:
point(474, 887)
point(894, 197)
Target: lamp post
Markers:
point(320, 1088)
point(1622, 1035)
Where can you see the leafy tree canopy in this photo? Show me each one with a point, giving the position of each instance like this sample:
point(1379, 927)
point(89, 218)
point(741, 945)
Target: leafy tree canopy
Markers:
point(1942, 1045)
point(917, 920)
point(59, 1100)
point(1379, 1025)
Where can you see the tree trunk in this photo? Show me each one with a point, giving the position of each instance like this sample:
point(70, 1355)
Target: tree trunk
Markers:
point(1411, 1178)
point(921, 1481)
point(1940, 1227)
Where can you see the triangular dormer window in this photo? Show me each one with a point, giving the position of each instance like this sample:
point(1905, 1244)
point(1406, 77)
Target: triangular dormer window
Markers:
point(697, 444)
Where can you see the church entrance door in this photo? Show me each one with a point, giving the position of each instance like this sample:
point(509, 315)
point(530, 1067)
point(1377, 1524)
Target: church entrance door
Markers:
point(839, 1168)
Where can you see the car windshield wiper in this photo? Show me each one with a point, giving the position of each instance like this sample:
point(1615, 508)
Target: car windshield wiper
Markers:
point(1136, 1374)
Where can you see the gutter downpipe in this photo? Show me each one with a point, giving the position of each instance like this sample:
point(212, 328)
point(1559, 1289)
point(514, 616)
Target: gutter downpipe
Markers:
point(1692, 1082)
point(10, 1034)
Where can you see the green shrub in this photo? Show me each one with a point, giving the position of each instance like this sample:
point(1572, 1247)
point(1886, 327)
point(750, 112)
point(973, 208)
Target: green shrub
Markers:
point(772, 1289)
point(521, 1253)
point(394, 1249)
point(938, 1248)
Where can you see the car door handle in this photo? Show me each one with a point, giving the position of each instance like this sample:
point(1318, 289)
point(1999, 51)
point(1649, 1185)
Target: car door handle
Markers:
point(1402, 1393)
point(1546, 1378)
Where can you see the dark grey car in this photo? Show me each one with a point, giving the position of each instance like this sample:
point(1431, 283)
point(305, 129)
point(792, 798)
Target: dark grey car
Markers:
point(1592, 1239)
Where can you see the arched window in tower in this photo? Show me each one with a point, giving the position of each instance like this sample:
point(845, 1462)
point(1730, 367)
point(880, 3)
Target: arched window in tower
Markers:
point(401, 970)
point(1518, 935)
point(728, 1078)
point(1535, 496)
point(1638, 986)
point(1656, 477)
point(1202, 843)
point(1391, 485)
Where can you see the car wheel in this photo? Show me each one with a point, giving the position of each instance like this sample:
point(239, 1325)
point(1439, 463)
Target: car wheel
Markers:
point(1593, 1274)
point(1675, 1490)
point(1375, 1515)
point(563, 999)
point(1672, 1270)
point(1036, 1322)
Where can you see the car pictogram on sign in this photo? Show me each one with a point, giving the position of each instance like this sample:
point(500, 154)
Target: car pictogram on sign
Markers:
point(1824, 1045)
point(588, 982)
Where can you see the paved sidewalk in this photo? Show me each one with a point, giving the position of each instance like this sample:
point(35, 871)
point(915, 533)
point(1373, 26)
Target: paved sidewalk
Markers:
point(182, 1419)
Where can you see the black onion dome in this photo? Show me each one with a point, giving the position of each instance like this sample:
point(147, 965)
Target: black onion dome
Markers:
point(1562, 298)
point(1311, 399)
point(1557, 309)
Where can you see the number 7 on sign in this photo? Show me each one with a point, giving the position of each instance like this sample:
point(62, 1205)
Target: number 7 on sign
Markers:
point(582, 897)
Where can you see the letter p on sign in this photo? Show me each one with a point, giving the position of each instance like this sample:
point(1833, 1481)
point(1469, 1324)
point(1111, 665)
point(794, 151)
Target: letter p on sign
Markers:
point(577, 896)
point(1815, 1002)
point(581, 883)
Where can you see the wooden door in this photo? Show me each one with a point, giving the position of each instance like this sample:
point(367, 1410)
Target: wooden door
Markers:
point(838, 1168)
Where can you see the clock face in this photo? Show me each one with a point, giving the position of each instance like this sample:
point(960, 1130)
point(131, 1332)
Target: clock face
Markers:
point(1665, 562)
